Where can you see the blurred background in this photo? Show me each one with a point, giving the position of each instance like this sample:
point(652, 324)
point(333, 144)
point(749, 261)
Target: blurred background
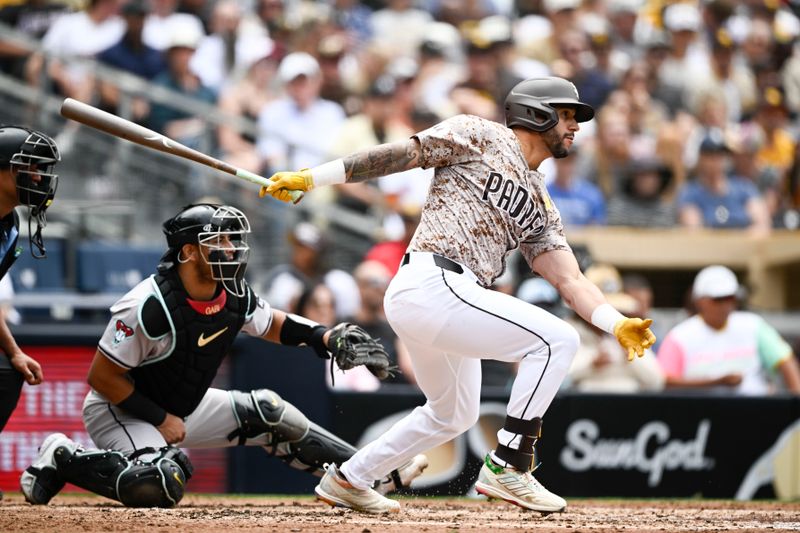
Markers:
point(691, 160)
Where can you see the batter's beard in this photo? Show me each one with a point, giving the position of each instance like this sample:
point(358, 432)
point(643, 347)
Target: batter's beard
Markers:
point(555, 144)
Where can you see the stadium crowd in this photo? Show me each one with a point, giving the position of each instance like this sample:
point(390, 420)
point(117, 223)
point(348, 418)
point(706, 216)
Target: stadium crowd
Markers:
point(696, 123)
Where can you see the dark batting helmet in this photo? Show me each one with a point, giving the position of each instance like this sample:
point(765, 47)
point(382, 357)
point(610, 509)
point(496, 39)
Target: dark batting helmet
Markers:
point(31, 153)
point(530, 103)
point(222, 230)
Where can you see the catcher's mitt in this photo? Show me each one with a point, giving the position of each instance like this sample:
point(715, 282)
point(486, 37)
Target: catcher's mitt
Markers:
point(351, 346)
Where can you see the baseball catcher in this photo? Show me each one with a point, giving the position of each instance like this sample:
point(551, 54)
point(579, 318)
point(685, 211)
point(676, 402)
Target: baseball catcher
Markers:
point(152, 372)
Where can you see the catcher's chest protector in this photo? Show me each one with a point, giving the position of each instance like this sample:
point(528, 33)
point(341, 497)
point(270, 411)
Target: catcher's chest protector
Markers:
point(178, 380)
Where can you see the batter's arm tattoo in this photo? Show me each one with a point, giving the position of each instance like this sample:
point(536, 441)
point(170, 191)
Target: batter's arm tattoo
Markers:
point(382, 160)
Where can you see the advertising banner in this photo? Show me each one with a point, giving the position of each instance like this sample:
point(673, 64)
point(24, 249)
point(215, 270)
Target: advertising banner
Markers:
point(618, 445)
point(56, 406)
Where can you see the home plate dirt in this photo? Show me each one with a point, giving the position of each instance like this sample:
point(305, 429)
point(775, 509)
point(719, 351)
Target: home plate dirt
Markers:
point(204, 513)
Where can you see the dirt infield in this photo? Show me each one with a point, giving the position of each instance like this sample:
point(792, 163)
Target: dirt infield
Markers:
point(199, 514)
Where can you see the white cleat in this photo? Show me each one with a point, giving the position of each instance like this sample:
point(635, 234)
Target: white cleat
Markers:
point(336, 491)
point(405, 475)
point(519, 488)
point(40, 481)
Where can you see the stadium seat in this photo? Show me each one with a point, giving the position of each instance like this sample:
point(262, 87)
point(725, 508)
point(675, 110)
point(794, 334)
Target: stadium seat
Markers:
point(114, 266)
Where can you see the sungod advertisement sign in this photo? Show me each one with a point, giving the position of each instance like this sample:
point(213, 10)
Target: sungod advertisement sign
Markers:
point(618, 445)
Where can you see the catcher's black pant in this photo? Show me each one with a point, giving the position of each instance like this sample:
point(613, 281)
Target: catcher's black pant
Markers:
point(10, 388)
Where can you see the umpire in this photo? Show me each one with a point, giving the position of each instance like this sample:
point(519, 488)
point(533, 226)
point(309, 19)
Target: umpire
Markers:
point(27, 158)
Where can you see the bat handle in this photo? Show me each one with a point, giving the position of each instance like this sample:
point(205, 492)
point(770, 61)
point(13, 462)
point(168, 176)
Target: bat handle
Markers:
point(261, 180)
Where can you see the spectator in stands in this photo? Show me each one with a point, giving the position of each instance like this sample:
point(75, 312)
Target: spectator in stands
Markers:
point(605, 162)
point(283, 284)
point(716, 199)
point(622, 15)
point(32, 19)
point(132, 55)
point(641, 201)
point(648, 115)
point(580, 66)
point(286, 282)
point(75, 37)
point(299, 129)
point(184, 127)
point(727, 79)
point(355, 19)
point(481, 92)
point(399, 28)
point(776, 155)
point(164, 21)
point(603, 366)
point(540, 34)
point(721, 348)
point(376, 124)
point(246, 98)
point(389, 253)
point(687, 56)
point(373, 278)
point(224, 54)
point(317, 302)
point(639, 288)
point(579, 201)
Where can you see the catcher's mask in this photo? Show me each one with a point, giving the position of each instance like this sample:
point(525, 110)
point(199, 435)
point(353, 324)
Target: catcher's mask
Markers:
point(221, 233)
point(31, 156)
point(531, 103)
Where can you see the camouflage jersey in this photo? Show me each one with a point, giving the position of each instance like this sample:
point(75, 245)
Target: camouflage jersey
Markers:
point(484, 201)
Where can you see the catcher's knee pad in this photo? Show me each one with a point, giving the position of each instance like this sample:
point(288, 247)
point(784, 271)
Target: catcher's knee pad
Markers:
point(262, 412)
point(522, 458)
point(318, 447)
point(157, 482)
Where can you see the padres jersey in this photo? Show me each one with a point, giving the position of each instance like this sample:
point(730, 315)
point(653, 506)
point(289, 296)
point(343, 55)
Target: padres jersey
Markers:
point(483, 201)
point(125, 343)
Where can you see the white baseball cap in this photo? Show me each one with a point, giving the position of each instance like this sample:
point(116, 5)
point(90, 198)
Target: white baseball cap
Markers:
point(679, 17)
point(554, 6)
point(715, 281)
point(297, 64)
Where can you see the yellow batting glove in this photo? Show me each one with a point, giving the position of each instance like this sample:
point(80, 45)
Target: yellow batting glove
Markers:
point(634, 335)
point(300, 180)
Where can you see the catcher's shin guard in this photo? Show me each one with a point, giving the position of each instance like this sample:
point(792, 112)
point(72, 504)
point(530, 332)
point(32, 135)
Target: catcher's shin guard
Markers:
point(316, 449)
point(262, 412)
point(157, 482)
point(522, 458)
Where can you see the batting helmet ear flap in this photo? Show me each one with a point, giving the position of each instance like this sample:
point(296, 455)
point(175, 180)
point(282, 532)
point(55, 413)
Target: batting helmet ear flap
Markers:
point(531, 115)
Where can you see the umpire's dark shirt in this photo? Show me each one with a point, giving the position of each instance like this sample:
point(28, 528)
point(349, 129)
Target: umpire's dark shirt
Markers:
point(9, 234)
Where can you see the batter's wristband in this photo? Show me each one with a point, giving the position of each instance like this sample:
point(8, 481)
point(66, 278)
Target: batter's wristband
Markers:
point(330, 173)
point(606, 317)
point(144, 408)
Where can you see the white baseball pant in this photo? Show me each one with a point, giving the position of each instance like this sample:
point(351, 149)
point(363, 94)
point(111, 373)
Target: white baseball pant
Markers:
point(111, 428)
point(449, 323)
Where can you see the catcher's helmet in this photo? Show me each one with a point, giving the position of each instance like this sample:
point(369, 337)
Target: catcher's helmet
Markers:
point(222, 230)
point(31, 153)
point(530, 103)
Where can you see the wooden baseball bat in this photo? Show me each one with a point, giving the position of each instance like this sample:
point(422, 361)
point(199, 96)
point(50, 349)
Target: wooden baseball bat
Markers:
point(119, 127)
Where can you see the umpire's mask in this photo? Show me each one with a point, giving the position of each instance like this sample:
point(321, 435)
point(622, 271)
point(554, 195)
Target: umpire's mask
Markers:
point(32, 155)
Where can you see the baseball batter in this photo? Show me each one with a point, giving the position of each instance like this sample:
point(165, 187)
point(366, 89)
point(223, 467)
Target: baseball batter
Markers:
point(486, 199)
point(151, 376)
